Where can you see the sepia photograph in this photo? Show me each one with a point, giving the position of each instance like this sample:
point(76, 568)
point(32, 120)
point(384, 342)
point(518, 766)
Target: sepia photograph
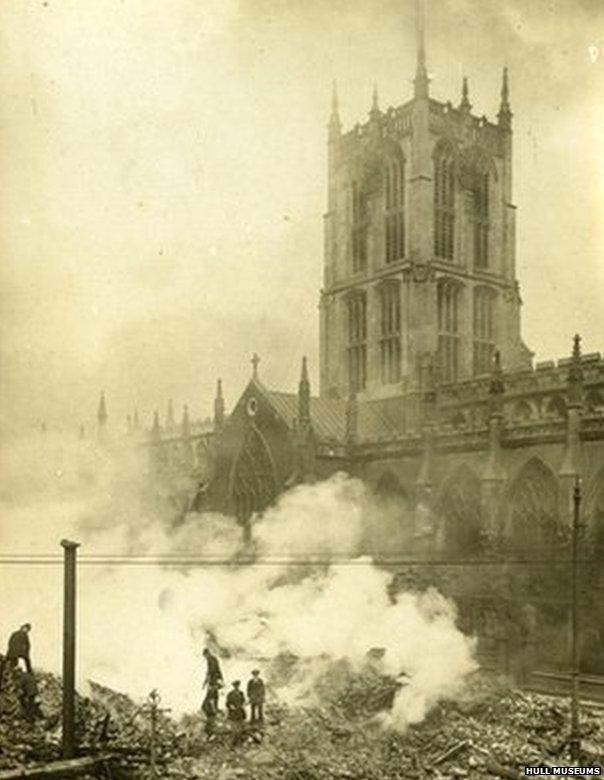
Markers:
point(301, 389)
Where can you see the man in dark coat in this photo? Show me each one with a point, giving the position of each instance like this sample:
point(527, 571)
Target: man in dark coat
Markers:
point(256, 694)
point(29, 696)
point(19, 647)
point(235, 704)
point(213, 681)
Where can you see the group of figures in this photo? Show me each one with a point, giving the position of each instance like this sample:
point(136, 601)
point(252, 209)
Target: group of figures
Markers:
point(235, 700)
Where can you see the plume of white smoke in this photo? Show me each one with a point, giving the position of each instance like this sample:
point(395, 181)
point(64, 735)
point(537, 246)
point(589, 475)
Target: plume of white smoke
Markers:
point(144, 626)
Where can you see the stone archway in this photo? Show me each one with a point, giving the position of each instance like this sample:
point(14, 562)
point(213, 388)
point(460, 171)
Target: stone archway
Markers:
point(253, 483)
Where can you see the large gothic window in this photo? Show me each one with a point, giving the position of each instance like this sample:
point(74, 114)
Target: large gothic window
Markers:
point(394, 181)
point(460, 512)
point(534, 510)
point(484, 329)
point(480, 213)
point(444, 205)
point(448, 329)
point(390, 334)
point(253, 486)
point(360, 218)
point(357, 341)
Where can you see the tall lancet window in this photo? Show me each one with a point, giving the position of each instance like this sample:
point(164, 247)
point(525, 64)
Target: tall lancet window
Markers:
point(480, 206)
point(444, 205)
point(484, 329)
point(394, 184)
point(448, 329)
point(390, 336)
point(357, 341)
point(360, 220)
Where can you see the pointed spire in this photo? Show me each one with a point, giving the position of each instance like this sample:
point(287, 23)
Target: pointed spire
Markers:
point(135, 420)
point(505, 112)
point(304, 394)
point(375, 105)
point(102, 413)
point(465, 104)
point(575, 374)
point(352, 417)
point(422, 80)
point(496, 386)
point(218, 407)
point(186, 423)
point(155, 430)
point(334, 126)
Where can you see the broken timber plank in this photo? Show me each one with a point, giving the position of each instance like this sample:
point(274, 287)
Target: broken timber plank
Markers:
point(56, 769)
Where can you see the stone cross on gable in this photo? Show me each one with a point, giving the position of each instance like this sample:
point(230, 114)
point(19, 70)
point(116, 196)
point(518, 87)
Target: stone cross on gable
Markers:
point(255, 360)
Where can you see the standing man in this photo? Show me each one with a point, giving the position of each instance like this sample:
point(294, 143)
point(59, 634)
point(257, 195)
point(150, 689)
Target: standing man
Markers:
point(235, 704)
point(213, 681)
point(18, 647)
point(256, 693)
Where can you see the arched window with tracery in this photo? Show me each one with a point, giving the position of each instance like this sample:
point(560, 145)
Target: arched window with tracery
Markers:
point(390, 333)
point(444, 204)
point(533, 506)
point(360, 226)
point(253, 484)
point(448, 296)
point(461, 514)
point(357, 341)
point(394, 185)
point(480, 214)
point(484, 329)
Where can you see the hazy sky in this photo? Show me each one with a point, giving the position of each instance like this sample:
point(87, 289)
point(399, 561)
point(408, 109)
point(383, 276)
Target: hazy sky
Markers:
point(163, 167)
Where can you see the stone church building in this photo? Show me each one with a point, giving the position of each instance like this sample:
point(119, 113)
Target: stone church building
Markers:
point(427, 391)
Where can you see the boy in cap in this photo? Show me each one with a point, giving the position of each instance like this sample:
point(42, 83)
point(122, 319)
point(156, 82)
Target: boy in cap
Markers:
point(235, 704)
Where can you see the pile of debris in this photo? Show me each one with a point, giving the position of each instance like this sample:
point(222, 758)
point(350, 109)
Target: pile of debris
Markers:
point(491, 731)
point(107, 722)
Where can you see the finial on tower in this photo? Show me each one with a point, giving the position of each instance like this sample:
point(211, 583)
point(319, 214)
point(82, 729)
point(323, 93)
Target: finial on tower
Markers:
point(505, 112)
point(335, 126)
point(304, 394)
point(465, 104)
point(422, 80)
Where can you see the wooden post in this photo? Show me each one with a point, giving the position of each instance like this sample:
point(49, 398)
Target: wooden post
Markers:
point(69, 649)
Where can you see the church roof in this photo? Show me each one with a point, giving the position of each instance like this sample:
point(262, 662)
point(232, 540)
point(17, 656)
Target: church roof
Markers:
point(328, 416)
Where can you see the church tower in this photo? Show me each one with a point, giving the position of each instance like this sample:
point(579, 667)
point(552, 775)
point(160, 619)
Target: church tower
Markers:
point(419, 254)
